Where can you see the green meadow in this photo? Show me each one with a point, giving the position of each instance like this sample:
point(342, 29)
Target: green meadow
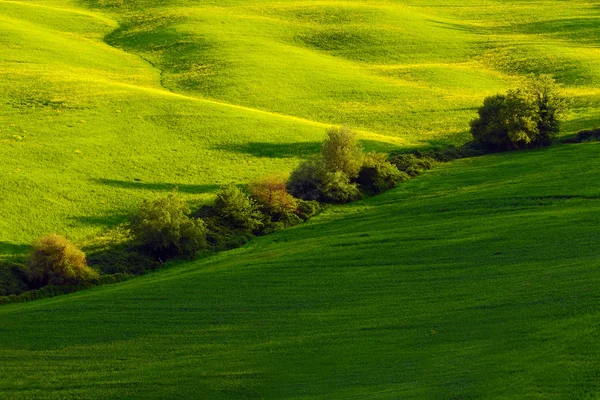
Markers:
point(477, 279)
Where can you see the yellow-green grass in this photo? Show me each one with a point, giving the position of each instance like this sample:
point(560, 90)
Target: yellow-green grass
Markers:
point(476, 280)
point(106, 102)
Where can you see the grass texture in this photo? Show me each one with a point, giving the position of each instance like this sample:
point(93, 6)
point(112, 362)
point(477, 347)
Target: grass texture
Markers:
point(474, 280)
point(107, 102)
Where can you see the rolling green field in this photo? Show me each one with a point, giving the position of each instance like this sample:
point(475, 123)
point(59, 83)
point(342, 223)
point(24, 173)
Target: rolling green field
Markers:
point(478, 279)
point(107, 102)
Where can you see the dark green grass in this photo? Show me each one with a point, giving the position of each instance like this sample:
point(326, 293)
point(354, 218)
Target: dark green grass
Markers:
point(478, 279)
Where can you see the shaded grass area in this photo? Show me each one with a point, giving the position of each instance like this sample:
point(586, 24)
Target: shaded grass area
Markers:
point(474, 280)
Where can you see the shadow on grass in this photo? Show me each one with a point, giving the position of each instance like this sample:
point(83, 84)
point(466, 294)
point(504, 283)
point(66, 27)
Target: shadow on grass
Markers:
point(380, 147)
point(297, 150)
point(274, 150)
point(13, 252)
point(159, 186)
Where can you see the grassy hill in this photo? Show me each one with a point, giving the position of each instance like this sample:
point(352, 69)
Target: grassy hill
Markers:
point(475, 280)
point(106, 102)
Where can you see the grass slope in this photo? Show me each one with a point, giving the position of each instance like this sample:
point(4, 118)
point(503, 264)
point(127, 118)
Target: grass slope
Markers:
point(478, 279)
point(106, 102)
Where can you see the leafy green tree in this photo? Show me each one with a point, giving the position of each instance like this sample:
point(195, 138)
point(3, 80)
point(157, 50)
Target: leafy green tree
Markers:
point(164, 227)
point(506, 121)
point(329, 177)
point(56, 261)
point(551, 105)
point(526, 117)
point(341, 152)
point(237, 210)
point(378, 175)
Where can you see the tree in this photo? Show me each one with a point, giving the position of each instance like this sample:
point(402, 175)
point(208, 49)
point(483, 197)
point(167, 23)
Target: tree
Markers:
point(236, 210)
point(341, 152)
point(329, 177)
point(271, 193)
point(522, 118)
point(378, 175)
point(551, 105)
point(164, 227)
point(506, 121)
point(56, 261)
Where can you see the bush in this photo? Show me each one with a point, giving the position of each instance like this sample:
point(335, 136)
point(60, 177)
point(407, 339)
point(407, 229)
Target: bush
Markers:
point(271, 195)
point(328, 178)
point(122, 261)
point(378, 175)
point(56, 261)
point(551, 105)
point(337, 188)
point(306, 181)
point(341, 152)
point(236, 210)
point(164, 228)
point(308, 208)
point(522, 118)
point(13, 279)
point(412, 164)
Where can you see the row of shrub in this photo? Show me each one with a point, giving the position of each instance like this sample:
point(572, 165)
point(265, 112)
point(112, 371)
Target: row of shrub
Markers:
point(166, 227)
point(342, 172)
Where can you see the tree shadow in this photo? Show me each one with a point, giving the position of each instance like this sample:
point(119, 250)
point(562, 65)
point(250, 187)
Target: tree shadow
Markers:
point(274, 150)
point(159, 186)
point(380, 147)
point(13, 252)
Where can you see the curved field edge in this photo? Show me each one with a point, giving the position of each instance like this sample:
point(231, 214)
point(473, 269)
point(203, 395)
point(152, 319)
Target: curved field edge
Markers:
point(475, 280)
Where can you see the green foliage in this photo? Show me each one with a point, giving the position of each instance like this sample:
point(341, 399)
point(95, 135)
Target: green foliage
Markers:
point(13, 279)
point(328, 178)
point(378, 175)
point(164, 227)
point(412, 164)
point(308, 208)
point(506, 121)
point(551, 105)
point(306, 180)
point(56, 261)
point(522, 118)
point(122, 261)
point(236, 210)
point(337, 188)
point(341, 152)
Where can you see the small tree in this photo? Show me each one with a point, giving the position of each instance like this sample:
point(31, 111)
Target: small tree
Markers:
point(329, 177)
point(378, 175)
point(164, 227)
point(306, 180)
point(271, 193)
point(236, 210)
point(341, 152)
point(506, 121)
point(551, 105)
point(56, 261)
point(522, 118)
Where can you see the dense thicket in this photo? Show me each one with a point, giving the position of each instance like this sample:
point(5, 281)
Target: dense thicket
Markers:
point(56, 261)
point(342, 172)
point(521, 118)
point(164, 228)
